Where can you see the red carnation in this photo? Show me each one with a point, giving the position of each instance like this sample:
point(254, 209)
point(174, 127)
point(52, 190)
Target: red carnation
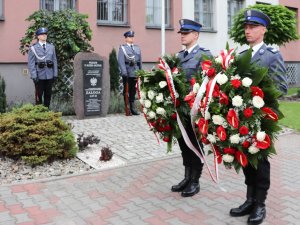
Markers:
point(177, 103)
point(166, 139)
point(216, 91)
point(256, 91)
point(211, 72)
point(270, 114)
point(248, 112)
point(221, 133)
point(244, 130)
point(229, 151)
point(167, 128)
point(246, 144)
point(241, 158)
point(174, 116)
point(236, 83)
point(193, 81)
point(223, 98)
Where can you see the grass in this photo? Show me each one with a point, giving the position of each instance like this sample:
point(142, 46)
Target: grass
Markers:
point(292, 116)
point(292, 91)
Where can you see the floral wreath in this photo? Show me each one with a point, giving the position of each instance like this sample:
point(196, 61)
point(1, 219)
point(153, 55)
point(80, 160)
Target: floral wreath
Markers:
point(235, 109)
point(161, 92)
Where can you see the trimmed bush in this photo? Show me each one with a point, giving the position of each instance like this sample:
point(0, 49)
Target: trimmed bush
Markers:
point(36, 135)
point(114, 71)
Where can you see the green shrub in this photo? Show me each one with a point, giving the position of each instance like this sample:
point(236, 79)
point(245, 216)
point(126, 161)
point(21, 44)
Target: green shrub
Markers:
point(2, 96)
point(114, 71)
point(116, 104)
point(36, 135)
point(282, 29)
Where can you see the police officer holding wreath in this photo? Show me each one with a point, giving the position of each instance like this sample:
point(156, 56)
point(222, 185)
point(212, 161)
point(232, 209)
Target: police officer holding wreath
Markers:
point(258, 180)
point(191, 58)
point(129, 60)
point(42, 65)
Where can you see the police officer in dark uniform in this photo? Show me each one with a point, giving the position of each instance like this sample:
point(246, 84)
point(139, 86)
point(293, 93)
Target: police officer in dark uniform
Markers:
point(129, 60)
point(190, 58)
point(258, 180)
point(42, 65)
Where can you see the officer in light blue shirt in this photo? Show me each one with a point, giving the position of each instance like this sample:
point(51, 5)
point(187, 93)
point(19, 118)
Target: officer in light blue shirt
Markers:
point(191, 58)
point(42, 65)
point(258, 180)
point(129, 60)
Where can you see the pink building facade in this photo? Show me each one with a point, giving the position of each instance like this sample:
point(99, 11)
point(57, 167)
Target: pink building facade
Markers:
point(138, 15)
point(291, 51)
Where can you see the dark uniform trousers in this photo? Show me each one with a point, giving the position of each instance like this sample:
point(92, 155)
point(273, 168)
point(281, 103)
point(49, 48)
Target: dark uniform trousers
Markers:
point(190, 159)
point(44, 88)
point(131, 87)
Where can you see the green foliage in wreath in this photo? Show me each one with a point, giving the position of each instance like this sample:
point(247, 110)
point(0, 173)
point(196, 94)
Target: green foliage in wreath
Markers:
point(282, 29)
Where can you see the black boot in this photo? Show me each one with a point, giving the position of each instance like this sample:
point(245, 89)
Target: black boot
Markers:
point(187, 177)
point(193, 186)
point(132, 109)
point(248, 205)
point(258, 214)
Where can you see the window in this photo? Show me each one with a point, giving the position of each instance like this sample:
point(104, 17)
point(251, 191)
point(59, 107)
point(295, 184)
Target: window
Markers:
point(55, 5)
point(233, 7)
point(204, 13)
point(153, 13)
point(112, 12)
point(1, 10)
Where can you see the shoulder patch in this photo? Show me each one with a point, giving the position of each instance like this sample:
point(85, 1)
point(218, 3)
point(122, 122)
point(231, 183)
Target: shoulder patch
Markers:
point(273, 50)
point(204, 49)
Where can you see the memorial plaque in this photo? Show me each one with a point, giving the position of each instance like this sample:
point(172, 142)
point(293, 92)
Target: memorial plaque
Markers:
point(92, 76)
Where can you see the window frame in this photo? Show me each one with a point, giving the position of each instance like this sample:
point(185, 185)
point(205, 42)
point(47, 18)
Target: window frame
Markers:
point(1, 10)
point(230, 13)
point(210, 12)
point(168, 11)
point(56, 5)
point(110, 7)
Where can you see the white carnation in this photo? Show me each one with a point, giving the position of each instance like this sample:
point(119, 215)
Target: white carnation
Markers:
point(196, 88)
point(228, 158)
point(160, 111)
point(219, 59)
point(142, 101)
point(176, 94)
point(207, 148)
point(147, 103)
point(235, 77)
point(258, 102)
point(143, 95)
point(151, 94)
point(207, 116)
point(237, 101)
point(222, 78)
point(218, 120)
point(145, 110)
point(162, 84)
point(246, 82)
point(261, 135)
point(151, 115)
point(211, 138)
point(159, 98)
point(252, 149)
point(235, 139)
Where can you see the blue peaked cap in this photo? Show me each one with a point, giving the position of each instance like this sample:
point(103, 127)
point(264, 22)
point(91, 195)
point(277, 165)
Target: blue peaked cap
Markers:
point(41, 30)
point(187, 26)
point(256, 17)
point(129, 33)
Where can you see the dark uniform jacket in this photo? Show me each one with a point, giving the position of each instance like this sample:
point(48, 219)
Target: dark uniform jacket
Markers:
point(45, 73)
point(130, 61)
point(191, 63)
point(272, 59)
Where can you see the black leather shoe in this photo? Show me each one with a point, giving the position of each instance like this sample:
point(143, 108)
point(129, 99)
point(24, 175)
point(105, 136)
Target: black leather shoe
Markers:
point(182, 184)
point(191, 189)
point(243, 209)
point(257, 215)
point(179, 187)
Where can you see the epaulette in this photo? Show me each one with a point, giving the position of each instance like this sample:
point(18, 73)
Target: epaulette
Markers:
point(204, 49)
point(181, 51)
point(243, 51)
point(273, 50)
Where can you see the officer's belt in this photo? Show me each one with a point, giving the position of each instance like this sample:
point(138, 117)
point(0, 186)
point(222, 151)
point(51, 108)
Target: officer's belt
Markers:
point(137, 63)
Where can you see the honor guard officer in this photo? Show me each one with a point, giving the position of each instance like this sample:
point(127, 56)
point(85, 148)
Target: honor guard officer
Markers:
point(258, 180)
point(190, 58)
point(42, 65)
point(129, 60)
